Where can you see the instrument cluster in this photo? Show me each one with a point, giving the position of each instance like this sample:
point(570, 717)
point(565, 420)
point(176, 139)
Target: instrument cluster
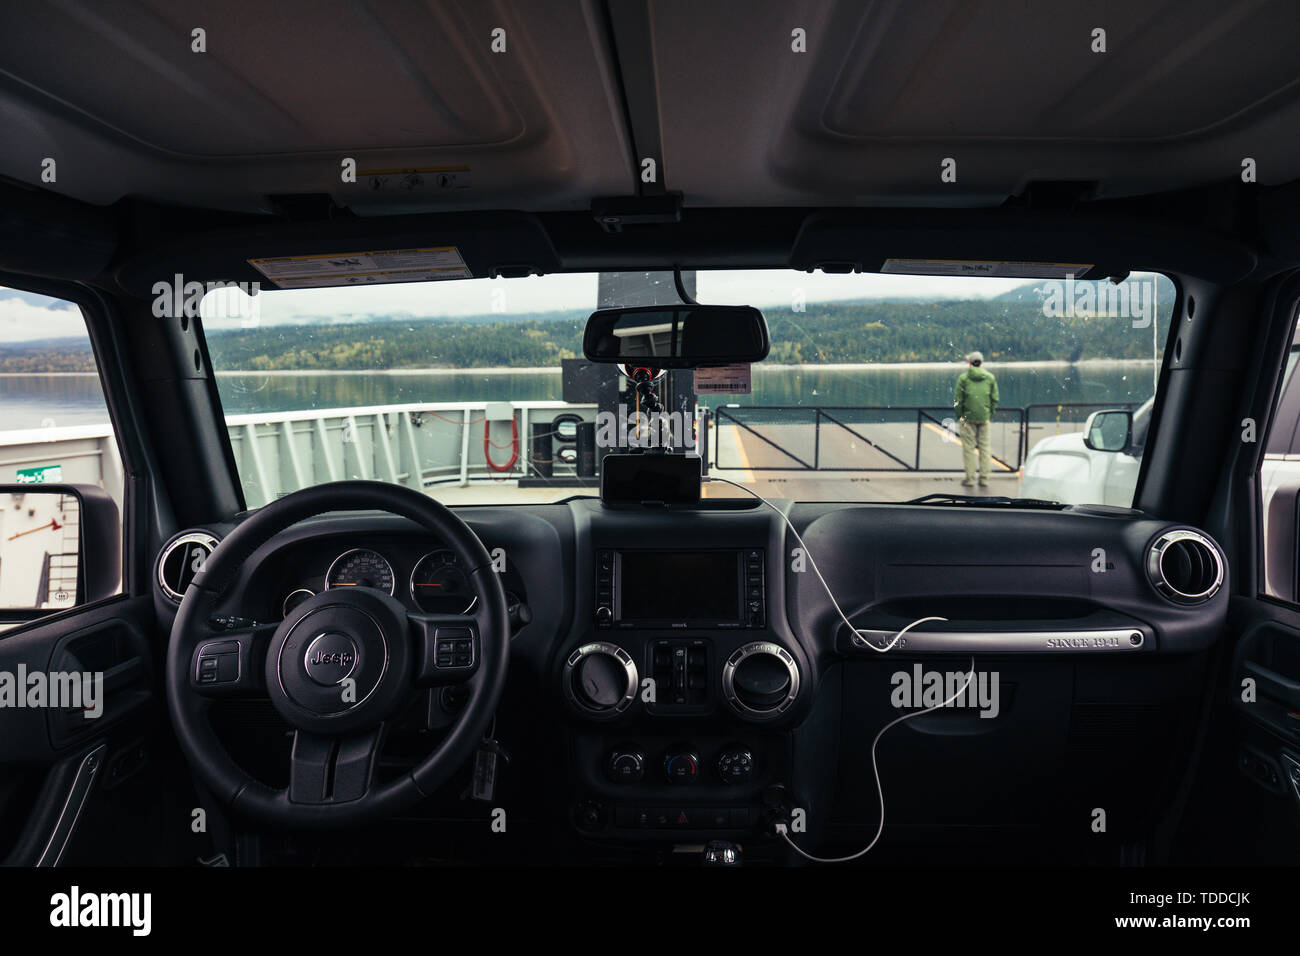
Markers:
point(436, 582)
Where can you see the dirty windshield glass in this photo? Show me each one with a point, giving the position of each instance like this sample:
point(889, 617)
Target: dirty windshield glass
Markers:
point(877, 387)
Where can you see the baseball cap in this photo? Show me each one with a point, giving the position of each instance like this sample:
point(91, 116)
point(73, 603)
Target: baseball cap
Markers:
point(975, 357)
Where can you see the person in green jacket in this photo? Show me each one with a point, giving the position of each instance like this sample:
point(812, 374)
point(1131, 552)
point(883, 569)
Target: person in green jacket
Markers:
point(975, 400)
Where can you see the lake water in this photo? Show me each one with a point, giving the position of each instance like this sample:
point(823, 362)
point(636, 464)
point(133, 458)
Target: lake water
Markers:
point(35, 401)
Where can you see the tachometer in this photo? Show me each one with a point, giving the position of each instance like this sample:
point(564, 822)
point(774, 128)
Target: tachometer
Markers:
point(439, 585)
point(360, 568)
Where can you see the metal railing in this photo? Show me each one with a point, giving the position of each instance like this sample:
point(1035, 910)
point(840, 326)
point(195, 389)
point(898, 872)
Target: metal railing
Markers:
point(879, 437)
point(418, 445)
point(424, 445)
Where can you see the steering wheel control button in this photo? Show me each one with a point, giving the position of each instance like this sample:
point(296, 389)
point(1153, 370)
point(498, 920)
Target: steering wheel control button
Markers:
point(600, 680)
point(218, 663)
point(682, 767)
point(447, 652)
point(760, 681)
point(330, 659)
point(453, 648)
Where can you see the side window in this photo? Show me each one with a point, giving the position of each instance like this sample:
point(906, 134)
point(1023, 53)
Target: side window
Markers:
point(54, 430)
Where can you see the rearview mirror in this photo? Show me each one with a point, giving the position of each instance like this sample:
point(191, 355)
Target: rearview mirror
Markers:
point(60, 546)
point(1109, 430)
point(677, 336)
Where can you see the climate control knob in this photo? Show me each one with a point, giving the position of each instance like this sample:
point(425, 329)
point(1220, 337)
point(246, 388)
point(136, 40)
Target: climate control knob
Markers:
point(626, 766)
point(735, 765)
point(600, 680)
point(681, 766)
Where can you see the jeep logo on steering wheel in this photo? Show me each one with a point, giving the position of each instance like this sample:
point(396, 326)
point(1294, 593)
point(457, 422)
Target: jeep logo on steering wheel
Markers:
point(330, 658)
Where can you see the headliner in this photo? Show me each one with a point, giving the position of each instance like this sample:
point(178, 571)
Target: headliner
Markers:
point(713, 91)
point(171, 160)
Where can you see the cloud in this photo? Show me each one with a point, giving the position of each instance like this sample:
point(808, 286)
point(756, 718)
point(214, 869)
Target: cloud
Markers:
point(26, 317)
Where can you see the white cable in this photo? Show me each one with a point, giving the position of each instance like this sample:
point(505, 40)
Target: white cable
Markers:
point(781, 828)
point(816, 570)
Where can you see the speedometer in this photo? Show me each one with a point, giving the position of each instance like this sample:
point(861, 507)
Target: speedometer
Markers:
point(360, 568)
point(439, 584)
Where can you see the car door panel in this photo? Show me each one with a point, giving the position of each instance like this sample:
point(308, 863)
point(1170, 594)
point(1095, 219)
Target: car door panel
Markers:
point(62, 758)
point(1266, 668)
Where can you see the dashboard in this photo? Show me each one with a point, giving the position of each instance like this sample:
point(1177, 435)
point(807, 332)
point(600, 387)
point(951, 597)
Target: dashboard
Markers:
point(686, 672)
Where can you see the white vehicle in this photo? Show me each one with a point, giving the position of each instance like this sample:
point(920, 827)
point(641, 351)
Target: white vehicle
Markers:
point(1098, 465)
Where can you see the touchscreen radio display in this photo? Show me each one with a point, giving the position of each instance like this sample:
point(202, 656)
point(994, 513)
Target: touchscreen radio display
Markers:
point(701, 586)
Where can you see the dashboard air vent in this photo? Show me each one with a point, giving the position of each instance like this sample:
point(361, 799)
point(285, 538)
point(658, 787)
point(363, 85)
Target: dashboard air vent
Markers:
point(1185, 567)
point(181, 559)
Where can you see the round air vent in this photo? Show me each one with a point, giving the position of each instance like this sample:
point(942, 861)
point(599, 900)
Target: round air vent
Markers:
point(760, 680)
point(600, 680)
point(181, 559)
point(1185, 567)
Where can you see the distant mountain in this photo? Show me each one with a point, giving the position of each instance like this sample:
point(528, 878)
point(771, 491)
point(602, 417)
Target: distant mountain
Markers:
point(1021, 293)
point(378, 318)
point(49, 355)
point(1035, 290)
point(1011, 327)
point(37, 345)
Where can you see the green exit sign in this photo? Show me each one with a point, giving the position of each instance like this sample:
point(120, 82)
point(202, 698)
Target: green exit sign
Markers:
point(41, 475)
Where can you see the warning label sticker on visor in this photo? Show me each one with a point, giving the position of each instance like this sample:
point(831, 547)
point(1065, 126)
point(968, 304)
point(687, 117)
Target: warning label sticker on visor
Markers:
point(363, 268)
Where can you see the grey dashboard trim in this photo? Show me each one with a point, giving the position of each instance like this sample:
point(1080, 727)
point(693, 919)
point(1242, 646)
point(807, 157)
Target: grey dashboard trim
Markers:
point(1111, 640)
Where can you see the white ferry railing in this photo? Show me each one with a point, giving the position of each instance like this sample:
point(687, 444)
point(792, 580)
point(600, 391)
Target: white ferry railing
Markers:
point(419, 445)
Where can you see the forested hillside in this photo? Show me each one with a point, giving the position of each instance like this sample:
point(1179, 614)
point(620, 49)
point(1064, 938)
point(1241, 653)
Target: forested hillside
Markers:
point(1010, 328)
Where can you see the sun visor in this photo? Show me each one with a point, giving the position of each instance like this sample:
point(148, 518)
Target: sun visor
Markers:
point(1011, 243)
point(351, 252)
point(46, 235)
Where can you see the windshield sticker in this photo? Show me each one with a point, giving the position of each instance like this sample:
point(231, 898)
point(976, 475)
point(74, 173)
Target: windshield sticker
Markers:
point(723, 380)
point(363, 268)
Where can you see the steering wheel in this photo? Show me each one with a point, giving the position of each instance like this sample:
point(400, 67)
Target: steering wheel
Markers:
point(337, 668)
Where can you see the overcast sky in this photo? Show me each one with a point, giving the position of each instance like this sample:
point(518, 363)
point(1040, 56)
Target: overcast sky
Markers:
point(25, 317)
point(578, 291)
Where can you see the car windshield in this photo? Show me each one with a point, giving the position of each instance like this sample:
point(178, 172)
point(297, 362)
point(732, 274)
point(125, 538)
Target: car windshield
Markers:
point(878, 387)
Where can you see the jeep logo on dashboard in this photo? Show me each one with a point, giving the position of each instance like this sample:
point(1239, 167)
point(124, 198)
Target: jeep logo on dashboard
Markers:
point(330, 658)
